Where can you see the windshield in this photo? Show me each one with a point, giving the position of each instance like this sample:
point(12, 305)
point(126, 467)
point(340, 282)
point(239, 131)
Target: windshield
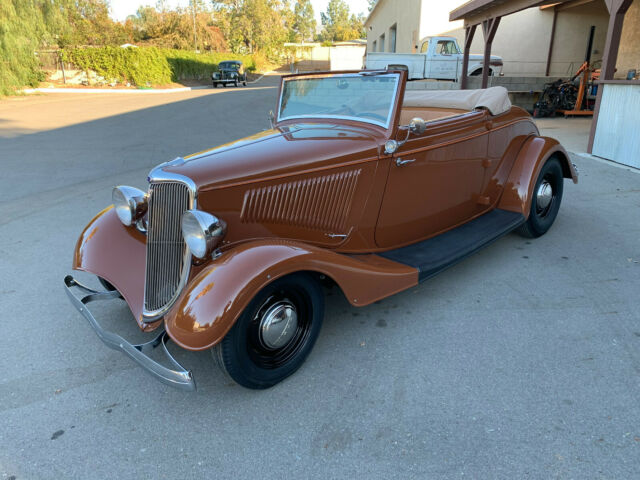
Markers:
point(230, 66)
point(360, 97)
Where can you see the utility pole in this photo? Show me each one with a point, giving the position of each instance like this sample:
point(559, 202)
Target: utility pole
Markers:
point(195, 38)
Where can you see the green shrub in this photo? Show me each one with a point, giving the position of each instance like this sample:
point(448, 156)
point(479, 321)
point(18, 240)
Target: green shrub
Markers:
point(150, 65)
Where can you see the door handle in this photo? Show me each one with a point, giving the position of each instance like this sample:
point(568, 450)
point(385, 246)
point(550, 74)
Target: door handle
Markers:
point(400, 162)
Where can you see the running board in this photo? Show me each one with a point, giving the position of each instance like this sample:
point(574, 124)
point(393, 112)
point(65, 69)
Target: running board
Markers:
point(435, 254)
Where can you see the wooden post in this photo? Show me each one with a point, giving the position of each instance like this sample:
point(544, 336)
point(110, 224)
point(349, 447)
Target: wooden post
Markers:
point(617, 10)
point(469, 31)
point(489, 28)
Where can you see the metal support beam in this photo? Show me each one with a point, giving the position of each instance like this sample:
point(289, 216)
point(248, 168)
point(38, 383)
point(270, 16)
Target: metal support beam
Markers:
point(469, 32)
point(617, 11)
point(489, 28)
point(553, 36)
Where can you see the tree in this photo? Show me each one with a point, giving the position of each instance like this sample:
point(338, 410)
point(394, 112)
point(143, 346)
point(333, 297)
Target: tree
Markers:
point(372, 3)
point(253, 25)
point(338, 25)
point(304, 22)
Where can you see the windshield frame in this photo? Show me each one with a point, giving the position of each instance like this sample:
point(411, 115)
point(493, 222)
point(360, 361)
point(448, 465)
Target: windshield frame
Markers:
point(392, 107)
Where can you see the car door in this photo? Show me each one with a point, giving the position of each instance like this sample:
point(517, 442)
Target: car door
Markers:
point(444, 60)
point(434, 182)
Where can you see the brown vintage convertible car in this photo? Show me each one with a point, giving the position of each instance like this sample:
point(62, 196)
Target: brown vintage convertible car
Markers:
point(358, 183)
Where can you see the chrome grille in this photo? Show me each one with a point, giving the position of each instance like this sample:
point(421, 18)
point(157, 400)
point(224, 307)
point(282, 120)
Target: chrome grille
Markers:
point(167, 255)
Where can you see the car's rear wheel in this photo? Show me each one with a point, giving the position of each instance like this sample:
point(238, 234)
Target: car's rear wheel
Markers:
point(274, 335)
point(547, 195)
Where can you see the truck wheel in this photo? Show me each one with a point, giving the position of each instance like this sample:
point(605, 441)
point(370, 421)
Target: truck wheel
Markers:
point(547, 195)
point(275, 333)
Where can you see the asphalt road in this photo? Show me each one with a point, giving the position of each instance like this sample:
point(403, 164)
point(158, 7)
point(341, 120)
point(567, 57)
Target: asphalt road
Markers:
point(521, 362)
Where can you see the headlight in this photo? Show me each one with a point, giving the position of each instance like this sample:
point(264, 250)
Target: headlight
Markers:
point(130, 203)
point(202, 232)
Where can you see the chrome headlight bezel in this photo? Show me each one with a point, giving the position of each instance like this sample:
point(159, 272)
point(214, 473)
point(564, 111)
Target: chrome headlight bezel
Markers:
point(202, 232)
point(130, 203)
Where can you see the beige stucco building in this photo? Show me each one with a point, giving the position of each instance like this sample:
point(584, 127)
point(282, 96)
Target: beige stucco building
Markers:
point(523, 39)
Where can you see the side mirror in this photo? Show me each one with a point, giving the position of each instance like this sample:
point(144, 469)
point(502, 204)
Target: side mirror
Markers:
point(417, 125)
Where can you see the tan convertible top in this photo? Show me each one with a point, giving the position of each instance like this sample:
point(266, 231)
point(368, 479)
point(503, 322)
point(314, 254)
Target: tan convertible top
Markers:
point(494, 99)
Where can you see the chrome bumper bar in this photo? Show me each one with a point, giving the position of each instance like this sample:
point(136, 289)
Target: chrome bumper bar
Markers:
point(179, 377)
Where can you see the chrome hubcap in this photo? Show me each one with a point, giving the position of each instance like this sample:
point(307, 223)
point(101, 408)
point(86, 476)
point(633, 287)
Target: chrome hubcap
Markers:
point(544, 195)
point(278, 325)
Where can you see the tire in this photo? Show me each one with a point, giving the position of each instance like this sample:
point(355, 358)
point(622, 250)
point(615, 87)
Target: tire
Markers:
point(244, 83)
point(107, 286)
point(235, 84)
point(224, 84)
point(259, 360)
point(543, 214)
point(215, 85)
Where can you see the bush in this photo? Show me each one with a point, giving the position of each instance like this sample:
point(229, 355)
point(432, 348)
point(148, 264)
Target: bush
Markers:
point(19, 65)
point(151, 65)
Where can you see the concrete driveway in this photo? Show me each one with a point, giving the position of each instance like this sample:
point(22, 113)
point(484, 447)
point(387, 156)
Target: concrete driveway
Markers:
point(521, 362)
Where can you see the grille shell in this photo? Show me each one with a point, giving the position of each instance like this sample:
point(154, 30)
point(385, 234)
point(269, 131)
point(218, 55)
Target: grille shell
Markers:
point(168, 259)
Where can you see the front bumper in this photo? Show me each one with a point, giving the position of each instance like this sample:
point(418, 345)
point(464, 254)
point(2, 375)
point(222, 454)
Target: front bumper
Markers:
point(177, 376)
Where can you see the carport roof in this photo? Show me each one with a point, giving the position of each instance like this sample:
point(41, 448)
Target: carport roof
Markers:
point(476, 11)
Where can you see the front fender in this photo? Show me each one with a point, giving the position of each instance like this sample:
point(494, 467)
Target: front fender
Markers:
point(116, 253)
point(217, 295)
point(518, 190)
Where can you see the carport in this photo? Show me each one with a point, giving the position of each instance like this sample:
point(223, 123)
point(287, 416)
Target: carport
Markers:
point(614, 133)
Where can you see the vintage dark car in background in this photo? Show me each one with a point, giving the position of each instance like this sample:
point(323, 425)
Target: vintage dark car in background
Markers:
point(229, 72)
point(358, 184)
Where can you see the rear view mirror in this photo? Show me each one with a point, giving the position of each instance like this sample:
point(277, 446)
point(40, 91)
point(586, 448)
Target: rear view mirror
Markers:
point(417, 125)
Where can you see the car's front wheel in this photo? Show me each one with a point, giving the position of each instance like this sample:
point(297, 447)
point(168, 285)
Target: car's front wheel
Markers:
point(275, 333)
point(547, 195)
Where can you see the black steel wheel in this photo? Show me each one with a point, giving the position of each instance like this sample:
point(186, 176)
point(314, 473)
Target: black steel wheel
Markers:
point(547, 195)
point(274, 335)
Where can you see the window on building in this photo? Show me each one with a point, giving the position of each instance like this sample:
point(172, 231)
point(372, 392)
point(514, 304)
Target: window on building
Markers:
point(424, 47)
point(381, 43)
point(446, 47)
point(392, 38)
point(374, 47)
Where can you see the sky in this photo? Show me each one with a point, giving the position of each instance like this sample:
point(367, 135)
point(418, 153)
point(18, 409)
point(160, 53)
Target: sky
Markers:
point(121, 9)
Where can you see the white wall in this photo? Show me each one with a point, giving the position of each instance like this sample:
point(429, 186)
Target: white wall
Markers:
point(522, 39)
point(405, 14)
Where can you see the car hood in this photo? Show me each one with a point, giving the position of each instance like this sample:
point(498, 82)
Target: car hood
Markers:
point(277, 152)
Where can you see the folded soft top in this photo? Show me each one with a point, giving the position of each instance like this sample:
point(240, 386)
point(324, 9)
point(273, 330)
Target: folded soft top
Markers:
point(494, 99)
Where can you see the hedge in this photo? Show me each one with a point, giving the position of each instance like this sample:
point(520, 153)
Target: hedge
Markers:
point(150, 65)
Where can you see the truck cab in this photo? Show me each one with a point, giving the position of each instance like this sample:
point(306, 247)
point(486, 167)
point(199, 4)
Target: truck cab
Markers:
point(439, 57)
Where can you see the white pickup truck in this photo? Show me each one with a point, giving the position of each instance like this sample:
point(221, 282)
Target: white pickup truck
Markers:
point(439, 58)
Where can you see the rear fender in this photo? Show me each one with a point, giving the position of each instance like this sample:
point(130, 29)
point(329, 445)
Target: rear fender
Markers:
point(518, 190)
point(214, 299)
